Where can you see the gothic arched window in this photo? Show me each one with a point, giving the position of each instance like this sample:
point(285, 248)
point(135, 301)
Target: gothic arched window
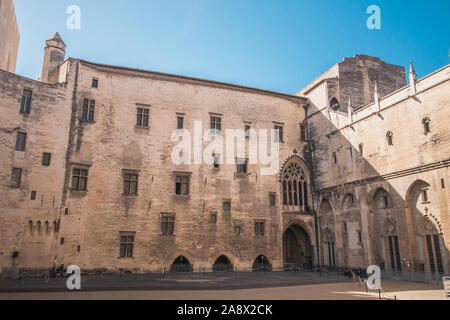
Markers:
point(389, 138)
point(426, 125)
point(295, 188)
point(334, 104)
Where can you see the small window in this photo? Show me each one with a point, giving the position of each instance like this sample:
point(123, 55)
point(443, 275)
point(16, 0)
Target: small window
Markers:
point(216, 124)
point(442, 183)
point(424, 196)
point(361, 148)
point(426, 125)
point(237, 230)
point(334, 158)
point(126, 246)
point(247, 132)
point(334, 104)
point(241, 165)
point(386, 201)
point(303, 132)
point(21, 140)
point(359, 236)
point(26, 101)
point(345, 226)
point(79, 179)
point(33, 195)
point(61, 241)
point(94, 83)
point(182, 185)
point(180, 123)
point(226, 206)
point(389, 138)
point(279, 136)
point(142, 117)
point(259, 228)
point(88, 110)
point(213, 218)
point(46, 159)
point(216, 161)
point(272, 199)
point(167, 225)
point(16, 177)
point(350, 151)
point(130, 183)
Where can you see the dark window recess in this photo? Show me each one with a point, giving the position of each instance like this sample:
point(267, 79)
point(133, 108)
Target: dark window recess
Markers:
point(303, 132)
point(61, 241)
point(94, 83)
point(167, 225)
point(33, 195)
point(180, 123)
point(426, 125)
point(79, 179)
point(237, 230)
point(443, 183)
point(386, 201)
point(142, 117)
point(279, 136)
point(21, 140)
point(216, 123)
point(182, 185)
point(126, 246)
point(88, 110)
point(334, 158)
point(241, 165)
point(345, 226)
point(361, 148)
point(26, 101)
point(424, 196)
point(259, 228)
point(226, 206)
point(390, 138)
point(213, 218)
point(216, 161)
point(359, 236)
point(78, 248)
point(46, 159)
point(130, 183)
point(272, 199)
point(16, 177)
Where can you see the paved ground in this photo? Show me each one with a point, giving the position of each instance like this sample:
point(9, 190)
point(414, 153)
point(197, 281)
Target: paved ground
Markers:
point(271, 286)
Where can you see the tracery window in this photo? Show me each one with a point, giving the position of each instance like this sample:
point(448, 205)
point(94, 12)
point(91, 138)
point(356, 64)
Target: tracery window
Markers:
point(295, 187)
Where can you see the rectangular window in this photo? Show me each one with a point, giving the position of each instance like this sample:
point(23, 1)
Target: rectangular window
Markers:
point(241, 165)
point(216, 161)
point(26, 101)
point(126, 246)
point(167, 225)
point(279, 137)
point(272, 199)
point(345, 226)
point(226, 206)
point(216, 123)
point(33, 195)
point(237, 230)
point(130, 183)
point(442, 183)
point(79, 179)
point(259, 228)
point(213, 218)
point(424, 196)
point(247, 132)
point(46, 159)
point(359, 237)
point(303, 132)
point(142, 117)
point(386, 201)
point(88, 110)
point(182, 185)
point(16, 177)
point(180, 123)
point(94, 83)
point(21, 140)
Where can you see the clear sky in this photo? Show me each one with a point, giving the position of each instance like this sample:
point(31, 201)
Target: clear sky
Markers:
point(276, 45)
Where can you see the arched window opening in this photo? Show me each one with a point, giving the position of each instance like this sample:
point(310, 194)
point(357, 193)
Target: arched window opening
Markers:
point(261, 263)
point(426, 125)
point(223, 264)
point(334, 104)
point(389, 138)
point(181, 264)
point(433, 248)
point(295, 188)
point(30, 227)
point(38, 227)
point(47, 228)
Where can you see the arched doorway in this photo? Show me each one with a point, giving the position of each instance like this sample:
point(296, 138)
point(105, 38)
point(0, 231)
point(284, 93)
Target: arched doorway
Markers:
point(181, 264)
point(262, 264)
point(297, 249)
point(223, 264)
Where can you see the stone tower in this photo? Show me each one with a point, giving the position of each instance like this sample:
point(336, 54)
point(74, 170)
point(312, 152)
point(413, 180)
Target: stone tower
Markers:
point(54, 54)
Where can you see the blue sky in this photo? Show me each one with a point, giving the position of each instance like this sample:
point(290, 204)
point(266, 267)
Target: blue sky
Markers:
point(276, 45)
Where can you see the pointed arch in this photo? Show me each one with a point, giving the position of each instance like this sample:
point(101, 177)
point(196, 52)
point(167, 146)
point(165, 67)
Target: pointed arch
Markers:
point(295, 185)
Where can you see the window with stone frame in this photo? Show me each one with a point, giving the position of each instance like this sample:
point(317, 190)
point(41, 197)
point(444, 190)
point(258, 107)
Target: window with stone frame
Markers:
point(213, 218)
point(130, 181)
point(247, 131)
point(26, 101)
point(272, 199)
point(295, 188)
point(79, 179)
point(94, 83)
point(426, 125)
point(88, 110)
point(126, 244)
point(303, 136)
point(279, 136)
point(16, 177)
point(180, 122)
point(46, 157)
point(260, 228)
point(182, 184)
point(226, 205)
point(167, 224)
point(142, 117)
point(21, 140)
point(390, 138)
point(241, 165)
point(216, 123)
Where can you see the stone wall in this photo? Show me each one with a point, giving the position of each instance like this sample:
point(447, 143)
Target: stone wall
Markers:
point(9, 35)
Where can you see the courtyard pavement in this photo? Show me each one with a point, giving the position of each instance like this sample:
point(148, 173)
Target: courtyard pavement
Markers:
point(220, 286)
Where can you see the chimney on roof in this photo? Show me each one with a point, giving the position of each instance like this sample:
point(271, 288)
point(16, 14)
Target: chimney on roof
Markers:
point(54, 55)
